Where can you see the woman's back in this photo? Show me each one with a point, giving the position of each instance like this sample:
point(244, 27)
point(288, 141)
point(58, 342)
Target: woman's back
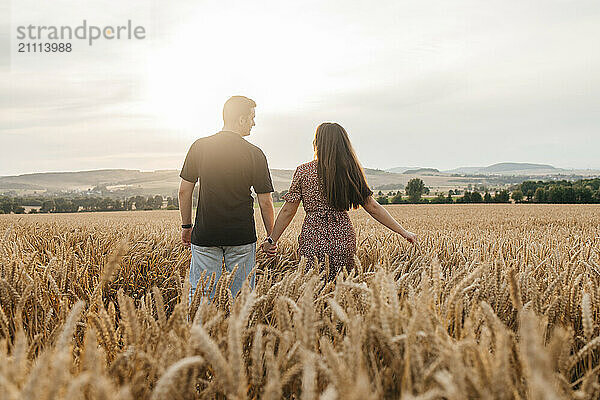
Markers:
point(325, 230)
point(307, 187)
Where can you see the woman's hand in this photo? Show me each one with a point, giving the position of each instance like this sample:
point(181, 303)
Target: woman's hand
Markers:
point(270, 249)
point(411, 237)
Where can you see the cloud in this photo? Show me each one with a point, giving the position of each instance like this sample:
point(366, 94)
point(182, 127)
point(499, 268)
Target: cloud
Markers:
point(34, 102)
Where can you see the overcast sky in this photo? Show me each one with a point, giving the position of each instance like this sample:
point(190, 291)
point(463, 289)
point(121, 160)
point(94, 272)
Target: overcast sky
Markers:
point(436, 84)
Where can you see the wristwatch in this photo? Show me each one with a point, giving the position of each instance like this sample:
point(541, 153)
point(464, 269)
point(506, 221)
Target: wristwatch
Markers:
point(270, 240)
point(186, 226)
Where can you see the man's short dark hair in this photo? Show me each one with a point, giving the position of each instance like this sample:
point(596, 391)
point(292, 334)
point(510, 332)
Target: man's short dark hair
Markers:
point(236, 107)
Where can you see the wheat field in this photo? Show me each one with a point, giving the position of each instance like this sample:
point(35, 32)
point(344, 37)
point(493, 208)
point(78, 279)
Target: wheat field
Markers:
point(496, 302)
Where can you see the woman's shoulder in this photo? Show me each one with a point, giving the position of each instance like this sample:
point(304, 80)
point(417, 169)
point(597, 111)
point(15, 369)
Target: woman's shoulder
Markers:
point(306, 167)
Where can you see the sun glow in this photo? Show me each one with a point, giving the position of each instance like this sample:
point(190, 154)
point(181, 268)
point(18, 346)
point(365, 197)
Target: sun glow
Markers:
point(281, 66)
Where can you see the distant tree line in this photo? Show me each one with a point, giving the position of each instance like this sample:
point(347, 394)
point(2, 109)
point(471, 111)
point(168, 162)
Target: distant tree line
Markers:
point(415, 189)
point(502, 196)
point(84, 204)
point(78, 203)
point(8, 205)
point(70, 204)
point(583, 191)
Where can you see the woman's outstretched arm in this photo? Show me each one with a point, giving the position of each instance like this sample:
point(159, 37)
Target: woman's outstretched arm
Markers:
point(383, 217)
point(285, 216)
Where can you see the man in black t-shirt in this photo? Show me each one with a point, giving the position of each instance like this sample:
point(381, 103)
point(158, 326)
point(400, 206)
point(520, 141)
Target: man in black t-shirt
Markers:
point(226, 166)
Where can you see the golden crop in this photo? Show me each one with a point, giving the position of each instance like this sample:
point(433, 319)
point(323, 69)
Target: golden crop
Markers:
point(497, 301)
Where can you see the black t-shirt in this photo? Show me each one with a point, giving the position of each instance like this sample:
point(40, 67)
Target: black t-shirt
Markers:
point(226, 166)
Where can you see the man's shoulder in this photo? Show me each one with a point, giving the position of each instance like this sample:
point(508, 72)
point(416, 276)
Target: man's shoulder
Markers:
point(255, 149)
point(203, 140)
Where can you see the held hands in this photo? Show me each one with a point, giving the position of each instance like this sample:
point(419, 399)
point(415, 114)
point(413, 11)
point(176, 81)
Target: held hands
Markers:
point(268, 248)
point(186, 236)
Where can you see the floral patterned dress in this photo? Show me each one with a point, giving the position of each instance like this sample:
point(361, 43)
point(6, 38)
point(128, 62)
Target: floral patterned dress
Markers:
point(325, 230)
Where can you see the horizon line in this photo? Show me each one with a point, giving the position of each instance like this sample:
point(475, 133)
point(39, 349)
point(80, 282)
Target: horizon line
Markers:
point(285, 169)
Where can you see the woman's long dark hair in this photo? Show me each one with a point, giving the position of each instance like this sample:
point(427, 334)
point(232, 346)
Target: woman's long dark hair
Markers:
point(338, 168)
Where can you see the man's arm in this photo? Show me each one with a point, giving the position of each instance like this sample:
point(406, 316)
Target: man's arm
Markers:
point(186, 190)
point(265, 202)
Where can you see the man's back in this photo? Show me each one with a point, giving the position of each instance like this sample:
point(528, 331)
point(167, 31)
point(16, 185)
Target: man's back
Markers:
point(226, 166)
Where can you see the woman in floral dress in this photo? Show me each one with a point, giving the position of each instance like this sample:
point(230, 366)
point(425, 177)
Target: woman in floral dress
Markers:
point(328, 187)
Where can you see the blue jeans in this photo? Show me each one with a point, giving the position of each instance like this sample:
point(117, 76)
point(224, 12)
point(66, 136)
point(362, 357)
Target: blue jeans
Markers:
point(210, 259)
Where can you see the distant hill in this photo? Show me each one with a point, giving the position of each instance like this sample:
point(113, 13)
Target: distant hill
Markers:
point(380, 172)
point(125, 182)
point(505, 168)
point(85, 179)
point(138, 182)
point(508, 168)
point(400, 170)
point(463, 170)
point(130, 182)
point(420, 171)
